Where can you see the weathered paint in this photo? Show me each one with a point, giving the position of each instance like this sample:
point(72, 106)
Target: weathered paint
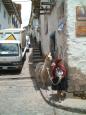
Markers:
point(70, 48)
point(76, 47)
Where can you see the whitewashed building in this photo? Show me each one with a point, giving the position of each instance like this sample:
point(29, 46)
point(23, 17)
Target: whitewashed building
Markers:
point(10, 15)
point(63, 32)
point(76, 42)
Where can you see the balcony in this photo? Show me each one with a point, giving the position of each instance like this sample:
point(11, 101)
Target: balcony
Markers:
point(41, 7)
point(11, 8)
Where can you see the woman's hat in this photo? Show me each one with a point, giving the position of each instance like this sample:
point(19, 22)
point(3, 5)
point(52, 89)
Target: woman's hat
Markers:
point(58, 60)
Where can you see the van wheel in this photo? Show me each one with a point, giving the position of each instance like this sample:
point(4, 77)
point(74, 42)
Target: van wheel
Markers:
point(19, 70)
point(25, 57)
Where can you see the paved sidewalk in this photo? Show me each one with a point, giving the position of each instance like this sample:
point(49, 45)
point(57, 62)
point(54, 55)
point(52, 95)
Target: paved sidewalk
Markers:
point(69, 103)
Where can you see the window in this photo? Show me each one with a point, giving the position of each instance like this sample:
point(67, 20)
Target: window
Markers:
point(0, 7)
point(4, 14)
point(8, 49)
point(0, 26)
point(46, 24)
point(80, 21)
point(62, 9)
point(8, 20)
point(81, 13)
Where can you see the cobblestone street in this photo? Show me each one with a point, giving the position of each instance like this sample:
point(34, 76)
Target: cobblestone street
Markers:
point(19, 94)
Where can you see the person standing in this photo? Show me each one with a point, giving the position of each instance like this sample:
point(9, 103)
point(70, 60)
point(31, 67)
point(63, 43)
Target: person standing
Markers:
point(59, 78)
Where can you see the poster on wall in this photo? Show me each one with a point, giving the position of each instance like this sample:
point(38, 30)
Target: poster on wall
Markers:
point(61, 24)
point(81, 28)
point(81, 13)
point(80, 21)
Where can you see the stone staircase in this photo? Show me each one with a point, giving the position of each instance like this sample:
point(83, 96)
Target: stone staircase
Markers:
point(37, 57)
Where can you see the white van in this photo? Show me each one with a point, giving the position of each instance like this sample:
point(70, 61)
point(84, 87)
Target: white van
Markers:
point(12, 48)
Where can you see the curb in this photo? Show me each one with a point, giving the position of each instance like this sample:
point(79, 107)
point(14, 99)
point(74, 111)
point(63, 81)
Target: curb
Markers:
point(60, 106)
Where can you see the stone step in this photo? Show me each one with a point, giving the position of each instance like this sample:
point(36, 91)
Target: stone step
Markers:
point(35, 48)
point(37, 56)
point(36, 53)
point(38, 60)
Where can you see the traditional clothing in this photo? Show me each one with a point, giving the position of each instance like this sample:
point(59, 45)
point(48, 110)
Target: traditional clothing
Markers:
point(62, 85)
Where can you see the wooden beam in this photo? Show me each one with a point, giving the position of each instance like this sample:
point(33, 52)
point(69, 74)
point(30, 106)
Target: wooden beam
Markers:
point(44, 13)
point(46, 3)
point(43, 9)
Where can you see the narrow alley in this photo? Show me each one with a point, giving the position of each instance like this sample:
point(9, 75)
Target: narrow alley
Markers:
point(19, 94)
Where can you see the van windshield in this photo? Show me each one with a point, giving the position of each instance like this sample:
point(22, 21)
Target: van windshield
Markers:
point(9, 49)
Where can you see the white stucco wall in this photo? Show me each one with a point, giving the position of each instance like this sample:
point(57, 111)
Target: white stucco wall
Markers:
point(52, 20)
point(72, 49)
point(44, 37)
point(4, 21)
point(7, 21)
point(76, 45)
point(60, 39)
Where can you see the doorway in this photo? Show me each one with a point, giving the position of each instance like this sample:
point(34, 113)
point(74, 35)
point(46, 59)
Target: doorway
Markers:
point(52, 43)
